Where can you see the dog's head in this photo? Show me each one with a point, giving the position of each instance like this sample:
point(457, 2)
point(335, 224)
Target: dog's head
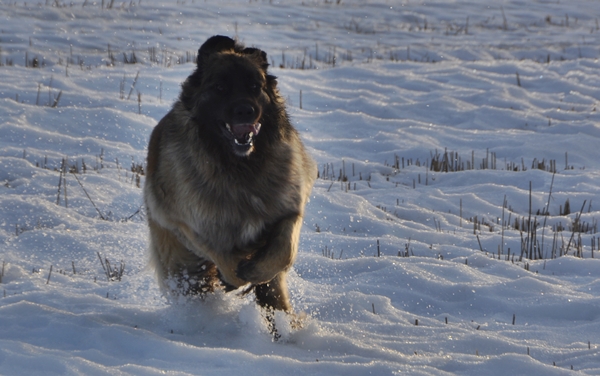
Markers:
point(229, 93)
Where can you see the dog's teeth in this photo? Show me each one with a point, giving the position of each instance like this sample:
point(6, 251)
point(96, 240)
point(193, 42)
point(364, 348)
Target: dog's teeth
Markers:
point(247, 140)
point(228, 127)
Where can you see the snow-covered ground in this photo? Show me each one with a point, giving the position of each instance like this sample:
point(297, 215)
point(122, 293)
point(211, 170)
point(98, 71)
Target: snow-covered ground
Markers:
point(403, 268)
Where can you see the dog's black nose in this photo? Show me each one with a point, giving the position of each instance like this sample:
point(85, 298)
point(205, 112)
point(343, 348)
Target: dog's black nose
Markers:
point(243, 110)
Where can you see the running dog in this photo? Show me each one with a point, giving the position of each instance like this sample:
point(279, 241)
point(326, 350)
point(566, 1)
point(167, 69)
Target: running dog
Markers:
point(227, 180)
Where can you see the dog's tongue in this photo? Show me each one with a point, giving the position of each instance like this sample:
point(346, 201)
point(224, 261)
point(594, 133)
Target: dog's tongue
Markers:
point(241, 130)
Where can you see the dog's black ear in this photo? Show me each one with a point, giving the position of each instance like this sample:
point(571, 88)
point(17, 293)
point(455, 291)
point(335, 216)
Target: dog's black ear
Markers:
point(271, 81)
point(258, 54)
point(218, 43)
point(262, 55)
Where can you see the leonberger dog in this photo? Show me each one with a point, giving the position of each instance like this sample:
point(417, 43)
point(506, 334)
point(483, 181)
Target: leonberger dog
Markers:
point(227, 181)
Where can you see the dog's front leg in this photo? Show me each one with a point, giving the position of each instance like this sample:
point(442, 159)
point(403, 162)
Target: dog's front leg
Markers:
point(277, 255)
point(226, 262)
point(274, 294)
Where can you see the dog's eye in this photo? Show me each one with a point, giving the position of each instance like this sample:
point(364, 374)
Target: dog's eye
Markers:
point(255, 87)
point(220, 87)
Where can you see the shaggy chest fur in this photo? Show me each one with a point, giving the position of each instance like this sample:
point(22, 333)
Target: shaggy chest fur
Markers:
point(226, 218)
point(227, 207)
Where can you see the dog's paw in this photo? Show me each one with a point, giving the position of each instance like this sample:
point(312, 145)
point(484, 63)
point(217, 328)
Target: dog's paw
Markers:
point(282, 324)
point(250, 271)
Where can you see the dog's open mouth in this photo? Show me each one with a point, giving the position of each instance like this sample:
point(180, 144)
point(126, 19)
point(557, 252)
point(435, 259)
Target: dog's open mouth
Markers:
point(243, 133)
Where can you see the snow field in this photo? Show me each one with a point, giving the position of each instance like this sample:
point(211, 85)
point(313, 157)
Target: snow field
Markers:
point(512, 83)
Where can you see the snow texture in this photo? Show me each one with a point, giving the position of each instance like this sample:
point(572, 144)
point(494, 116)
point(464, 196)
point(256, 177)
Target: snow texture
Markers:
point(448, 134)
